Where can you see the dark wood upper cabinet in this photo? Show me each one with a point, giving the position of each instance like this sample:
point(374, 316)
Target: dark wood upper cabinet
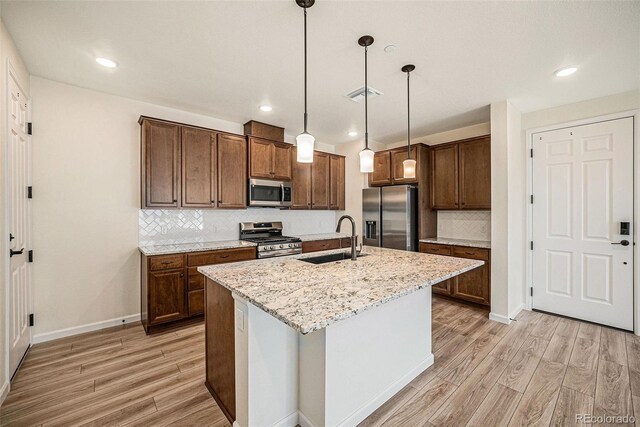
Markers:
point(232, 171)
point(160, 158)
point(336, 183)
point(397, 168)
point(269, 159)
point(381, 174)
point(475, 174)
point(320, 181)
point(301, 183)
point(444, 177)
point(461, 175)
point(198, 147)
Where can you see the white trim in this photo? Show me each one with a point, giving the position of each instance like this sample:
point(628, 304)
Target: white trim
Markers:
point(635, 114)
point(368, 408)
point(516, 311)
point(499, 318)
point(304, 421)
point(290, 420)
point(4, 391)
point(89, 327)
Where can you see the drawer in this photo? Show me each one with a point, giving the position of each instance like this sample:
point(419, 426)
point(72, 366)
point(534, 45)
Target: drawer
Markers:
point(221, 256)
point(320, 245)
point(196, 302)
point(195, 280)
point(472, 253)
point(166, 262)
point(434, 248)
point(345, 242)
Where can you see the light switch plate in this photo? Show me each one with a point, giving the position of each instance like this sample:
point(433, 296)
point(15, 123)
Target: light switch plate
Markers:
point(240, 319)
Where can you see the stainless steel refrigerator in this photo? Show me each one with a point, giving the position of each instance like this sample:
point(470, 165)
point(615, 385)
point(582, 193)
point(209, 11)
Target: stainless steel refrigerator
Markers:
point(390, 217)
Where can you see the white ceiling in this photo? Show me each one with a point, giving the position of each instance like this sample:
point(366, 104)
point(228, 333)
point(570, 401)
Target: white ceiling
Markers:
point(225, 58)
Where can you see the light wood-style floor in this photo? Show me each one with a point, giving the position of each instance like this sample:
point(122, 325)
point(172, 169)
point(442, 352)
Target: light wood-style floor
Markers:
point(540, 370)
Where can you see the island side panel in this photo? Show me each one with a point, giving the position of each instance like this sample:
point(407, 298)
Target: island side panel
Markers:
point(220, 347)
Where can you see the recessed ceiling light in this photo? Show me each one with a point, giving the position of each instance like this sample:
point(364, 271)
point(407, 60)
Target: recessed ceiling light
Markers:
point(567, 71)
point(353, 133)
point(266, 108)
point(390, 48)
point(107, 62)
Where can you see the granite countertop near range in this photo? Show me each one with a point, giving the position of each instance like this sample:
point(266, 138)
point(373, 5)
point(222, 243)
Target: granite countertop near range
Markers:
point(483, 244)
point(193, 247)
point(322, 236)
point(309, 297)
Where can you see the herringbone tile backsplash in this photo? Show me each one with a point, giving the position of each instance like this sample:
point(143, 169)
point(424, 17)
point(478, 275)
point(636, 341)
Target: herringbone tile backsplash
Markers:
point(170, 226)
point(470, 225)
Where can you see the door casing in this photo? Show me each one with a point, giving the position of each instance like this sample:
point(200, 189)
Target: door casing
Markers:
point(635, 114)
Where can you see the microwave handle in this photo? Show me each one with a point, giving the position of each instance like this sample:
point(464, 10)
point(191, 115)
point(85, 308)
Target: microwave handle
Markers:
point(282, 192)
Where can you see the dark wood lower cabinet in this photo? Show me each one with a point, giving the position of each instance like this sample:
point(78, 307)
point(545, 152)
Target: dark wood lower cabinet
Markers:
point(474, 285)
point(325, 245)
point(167, 296)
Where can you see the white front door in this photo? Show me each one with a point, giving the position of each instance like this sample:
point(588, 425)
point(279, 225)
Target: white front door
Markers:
point(19, 175)
point(582, 195)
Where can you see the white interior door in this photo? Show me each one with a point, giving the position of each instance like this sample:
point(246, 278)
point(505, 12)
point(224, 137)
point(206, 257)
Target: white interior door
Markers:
point(583, 191)
point(19, 176)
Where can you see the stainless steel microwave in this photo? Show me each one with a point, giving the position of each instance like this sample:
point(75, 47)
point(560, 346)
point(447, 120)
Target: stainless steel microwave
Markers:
point(267, 193)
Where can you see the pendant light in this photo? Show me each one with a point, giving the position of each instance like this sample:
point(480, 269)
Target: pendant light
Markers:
point(305, 141)
point(366, 155)
point(409, 165)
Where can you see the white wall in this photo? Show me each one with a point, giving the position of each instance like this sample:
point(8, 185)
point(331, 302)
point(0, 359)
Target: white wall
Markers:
point(8, 52)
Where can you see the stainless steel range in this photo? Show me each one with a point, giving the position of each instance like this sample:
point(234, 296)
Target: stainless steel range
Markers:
point(268, 236)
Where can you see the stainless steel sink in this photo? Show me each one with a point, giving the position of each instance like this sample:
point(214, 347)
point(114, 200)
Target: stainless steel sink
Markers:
point(323, 259)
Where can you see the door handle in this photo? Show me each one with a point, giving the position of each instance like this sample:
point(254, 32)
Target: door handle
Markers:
point(12, 252)
point(622, 242)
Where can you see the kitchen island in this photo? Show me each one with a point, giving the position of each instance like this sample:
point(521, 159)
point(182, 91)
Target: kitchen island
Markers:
point(291, 342)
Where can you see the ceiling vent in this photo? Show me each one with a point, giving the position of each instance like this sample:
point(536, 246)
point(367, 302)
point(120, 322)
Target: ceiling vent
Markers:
point(358, 94)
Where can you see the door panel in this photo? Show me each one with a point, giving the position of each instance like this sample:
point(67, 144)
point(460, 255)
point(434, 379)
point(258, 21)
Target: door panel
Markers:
point(475, 174)
point(167, 296)
point(282, 161)
point(444, 177)
point(397, 168)
point(161, 151)
point(198, 148)
point(320, 181)
point(301, 183)
point(19, 221)
point(381, 174)
point(261, 158)
point(232, 171)
point(583, 189)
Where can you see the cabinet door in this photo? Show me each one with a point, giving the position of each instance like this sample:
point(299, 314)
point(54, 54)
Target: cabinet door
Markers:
point(281, 161)
point(161, 164)
point(381, 174)
point(196, 302)
point(341, 184)
point(397, 168)
point(334, 182)
point(473, 285)
point(260, 158)
point(166, 296)
point(442, 288)
point(232, 171)
point(301, 183)
point(198, 148)
point(444, 177)
point(320, 181)
point(475, 174)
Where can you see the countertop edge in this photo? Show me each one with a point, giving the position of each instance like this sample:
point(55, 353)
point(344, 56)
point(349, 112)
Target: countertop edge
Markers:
point(480, 244)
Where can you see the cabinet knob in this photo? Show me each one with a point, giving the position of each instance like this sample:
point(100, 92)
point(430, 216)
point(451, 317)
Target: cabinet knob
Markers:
point(175, 200)
point(181, 274)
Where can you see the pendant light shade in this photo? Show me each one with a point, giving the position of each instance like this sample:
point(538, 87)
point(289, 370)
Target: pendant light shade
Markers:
point(366, 155)
point(366, 160)
point(409, 165)
point(305, 141)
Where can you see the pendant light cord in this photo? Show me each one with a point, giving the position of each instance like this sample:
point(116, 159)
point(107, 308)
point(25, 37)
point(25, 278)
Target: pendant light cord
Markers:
point(305, 70)
point(366, 112)
point(408, 119)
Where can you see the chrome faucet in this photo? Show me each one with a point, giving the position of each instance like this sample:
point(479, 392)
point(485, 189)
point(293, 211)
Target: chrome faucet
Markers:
point(354, 252)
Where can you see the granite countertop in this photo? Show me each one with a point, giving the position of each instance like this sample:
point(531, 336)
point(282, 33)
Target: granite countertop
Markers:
point(194, 247)
point(323, 236)
point(309, 297)
point(483, 244)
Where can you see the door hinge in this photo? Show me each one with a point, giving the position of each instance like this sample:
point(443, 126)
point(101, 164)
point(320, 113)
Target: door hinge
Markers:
point(532, 245)
point(30, 256)
point(29, 128)
point(532, 199)
point(531, 291)
point(29, 192)
point(31, 320)
point(531, 153)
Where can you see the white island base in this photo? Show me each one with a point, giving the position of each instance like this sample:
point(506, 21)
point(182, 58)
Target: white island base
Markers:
point(335, 376)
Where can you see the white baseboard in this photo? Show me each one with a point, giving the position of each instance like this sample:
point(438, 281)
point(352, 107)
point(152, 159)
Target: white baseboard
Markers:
point(290, 420)
point(4, 391)
point(499, 318)
point(360, 414)
point(517, 311)
point(90, 327)
point(304, 421)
